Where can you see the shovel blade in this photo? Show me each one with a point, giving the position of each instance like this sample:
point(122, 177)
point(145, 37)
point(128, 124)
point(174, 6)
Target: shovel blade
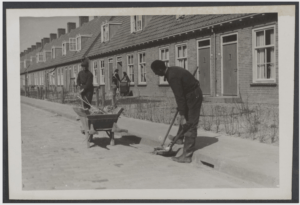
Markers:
point(164, 153)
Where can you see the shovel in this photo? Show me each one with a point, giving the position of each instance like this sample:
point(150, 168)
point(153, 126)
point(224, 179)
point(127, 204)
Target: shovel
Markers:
point(167, 150)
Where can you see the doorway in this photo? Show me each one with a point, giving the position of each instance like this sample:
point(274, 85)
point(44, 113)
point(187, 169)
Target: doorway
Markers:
point(204, 65)
point(229, 65)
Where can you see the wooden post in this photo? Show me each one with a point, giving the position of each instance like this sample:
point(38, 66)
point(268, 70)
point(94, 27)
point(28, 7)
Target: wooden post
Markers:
point(97, 96)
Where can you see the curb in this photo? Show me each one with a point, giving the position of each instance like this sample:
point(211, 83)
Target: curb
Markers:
point(218, 163)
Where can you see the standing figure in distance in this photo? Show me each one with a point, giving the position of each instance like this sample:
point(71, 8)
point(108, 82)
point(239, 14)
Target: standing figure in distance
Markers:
point(189, 98)
point(85, 81)
point(115, 84)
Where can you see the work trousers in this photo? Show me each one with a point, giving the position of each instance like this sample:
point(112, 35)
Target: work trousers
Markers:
point(193, 106)
point(87, 96)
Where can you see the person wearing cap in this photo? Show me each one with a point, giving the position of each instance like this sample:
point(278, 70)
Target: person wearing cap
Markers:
point(85, 81)
point(188, 96)
point(115, 84)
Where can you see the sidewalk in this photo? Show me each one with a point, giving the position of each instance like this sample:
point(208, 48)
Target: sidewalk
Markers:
point(245, 159)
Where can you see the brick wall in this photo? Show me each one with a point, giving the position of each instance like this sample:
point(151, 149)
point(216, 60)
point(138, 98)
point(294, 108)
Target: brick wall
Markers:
point(246, 89)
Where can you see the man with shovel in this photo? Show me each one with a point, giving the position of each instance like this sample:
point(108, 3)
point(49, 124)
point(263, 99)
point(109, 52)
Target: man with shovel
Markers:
point(189, 98)
point(85, 81)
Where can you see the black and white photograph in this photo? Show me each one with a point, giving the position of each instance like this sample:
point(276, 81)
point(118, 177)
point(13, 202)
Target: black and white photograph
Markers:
point(122, 103)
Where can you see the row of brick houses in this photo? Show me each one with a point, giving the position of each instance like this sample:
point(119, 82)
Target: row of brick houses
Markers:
point(237, 54)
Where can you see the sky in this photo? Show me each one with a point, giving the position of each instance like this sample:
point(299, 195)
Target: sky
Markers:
point(33, 29)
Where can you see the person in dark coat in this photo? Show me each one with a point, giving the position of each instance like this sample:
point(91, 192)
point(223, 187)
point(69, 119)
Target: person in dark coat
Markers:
point(189, 98)
point(115, 84)
point(85, 81)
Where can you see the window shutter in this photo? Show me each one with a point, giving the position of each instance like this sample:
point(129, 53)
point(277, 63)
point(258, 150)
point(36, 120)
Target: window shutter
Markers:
point(132, 24)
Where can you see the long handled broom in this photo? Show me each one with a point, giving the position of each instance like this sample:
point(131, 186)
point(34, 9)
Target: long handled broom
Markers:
point(167, 150)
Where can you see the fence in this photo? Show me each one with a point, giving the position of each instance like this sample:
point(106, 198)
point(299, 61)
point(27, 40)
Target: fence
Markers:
point(60, 95)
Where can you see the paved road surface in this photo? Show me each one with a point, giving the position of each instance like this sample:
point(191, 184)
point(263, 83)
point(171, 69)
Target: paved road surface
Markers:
point(55, 156)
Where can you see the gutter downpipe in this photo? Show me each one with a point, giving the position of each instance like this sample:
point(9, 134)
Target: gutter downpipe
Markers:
point(215, 61)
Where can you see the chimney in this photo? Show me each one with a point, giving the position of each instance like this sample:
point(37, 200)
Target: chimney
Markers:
point(52, 36)
point(38, 45)
point(21, 54)
point(71, 26)
point(61, 31)
point(45, 41)
point(33, 47)
point(29, 50)
point(83, 19)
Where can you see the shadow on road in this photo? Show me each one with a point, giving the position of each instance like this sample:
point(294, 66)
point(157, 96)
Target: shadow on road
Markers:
point(203, 141)
point(126, 140)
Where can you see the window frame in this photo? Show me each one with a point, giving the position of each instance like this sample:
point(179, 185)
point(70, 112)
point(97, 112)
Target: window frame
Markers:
point(255, 80)
point(177, 59)
point(95, 76)
point(133, 23)
point(103, 40)
point(139, 69)
point(72, 44)
point(78, 43)
point(45, 55)
point(161, 78)
point(102, 76)
point(128, 71)
point(64, 48)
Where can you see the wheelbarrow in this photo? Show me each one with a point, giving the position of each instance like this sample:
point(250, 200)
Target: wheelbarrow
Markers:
point(92, 124)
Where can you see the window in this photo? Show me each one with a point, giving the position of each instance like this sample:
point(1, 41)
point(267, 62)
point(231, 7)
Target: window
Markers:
point(72, 44)
point(46, 56)
point(181, 56)
point(102, 74)
point(264, 55)
point(142, 68)
point(78, 43)
point(39, 57)
point(136, 23)
point(95, 72)
point(105, 33)
point(32, 58)
point(64, 48)
point(164, 56)
point(130, 68)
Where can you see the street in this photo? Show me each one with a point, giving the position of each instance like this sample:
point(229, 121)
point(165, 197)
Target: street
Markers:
point(55, 156)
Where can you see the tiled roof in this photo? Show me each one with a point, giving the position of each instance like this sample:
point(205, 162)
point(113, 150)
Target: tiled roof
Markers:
point(159, 26)
point(92, 27)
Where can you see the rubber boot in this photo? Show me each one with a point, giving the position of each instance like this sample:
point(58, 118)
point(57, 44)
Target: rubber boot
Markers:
point(188, 150)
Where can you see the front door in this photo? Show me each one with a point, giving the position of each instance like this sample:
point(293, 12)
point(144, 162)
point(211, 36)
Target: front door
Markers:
point(204, 70)
point(230, 65)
